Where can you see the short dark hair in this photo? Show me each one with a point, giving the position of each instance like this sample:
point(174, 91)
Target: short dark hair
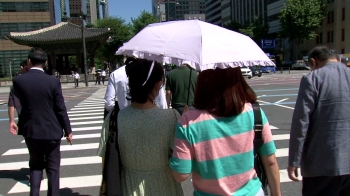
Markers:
point(23, 63)
point(37, 56)
point(137, 72)
point(323, 53)
point(223, 92)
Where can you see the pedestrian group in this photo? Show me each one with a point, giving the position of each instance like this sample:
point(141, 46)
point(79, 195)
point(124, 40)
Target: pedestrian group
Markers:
point(207, 136)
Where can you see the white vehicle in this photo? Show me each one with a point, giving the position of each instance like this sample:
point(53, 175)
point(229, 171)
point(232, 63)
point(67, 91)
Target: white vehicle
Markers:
point(246, 72)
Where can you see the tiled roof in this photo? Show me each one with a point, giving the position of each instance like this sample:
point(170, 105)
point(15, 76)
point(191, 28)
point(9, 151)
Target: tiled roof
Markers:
point(62, 32)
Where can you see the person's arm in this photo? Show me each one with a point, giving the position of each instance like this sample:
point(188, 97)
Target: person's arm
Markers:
point(272, 173)
point(110, 94)
point(11, 113)
point(61, 111)
point(181, 160)
point(268, 158)
point(304, 107)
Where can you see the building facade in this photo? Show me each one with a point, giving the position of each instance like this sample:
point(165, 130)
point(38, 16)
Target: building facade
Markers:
point(176, 10)
point(213, 11)
point(20, 16)
point(335, 29)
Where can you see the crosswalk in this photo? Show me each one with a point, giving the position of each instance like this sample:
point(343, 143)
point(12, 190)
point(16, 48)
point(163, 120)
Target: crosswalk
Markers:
point(80, 166)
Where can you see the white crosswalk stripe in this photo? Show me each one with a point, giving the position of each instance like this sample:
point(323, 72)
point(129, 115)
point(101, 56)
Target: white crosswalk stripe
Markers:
point(86, 120)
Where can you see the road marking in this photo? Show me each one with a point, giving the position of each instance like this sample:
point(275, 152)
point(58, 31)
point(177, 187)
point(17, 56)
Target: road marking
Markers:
point(280, 95)
point(19, 151)
point(273, 127)
point(281, 100)
point(278, 137)
point(87, 123)
point(276, 104)
point(282, 152)
point(89, 114)
point(86, 111)
point(6, 119)
point(86, 129)
point(87, 118)
point(87, 105)
point(84, 136)
point(92, 101)
point(71, 182)
point(64, 162)
point(284, 176)
point(87, 108)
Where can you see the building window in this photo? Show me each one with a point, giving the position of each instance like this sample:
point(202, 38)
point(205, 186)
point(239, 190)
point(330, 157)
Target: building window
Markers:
point(332, 36)
point(332, 16)
point(342, 51)
point(24, 6)
point(329, 17)
point(321, 38)
point(343, 35)
point(343, 14)
point(328, 36)
point(317, 39)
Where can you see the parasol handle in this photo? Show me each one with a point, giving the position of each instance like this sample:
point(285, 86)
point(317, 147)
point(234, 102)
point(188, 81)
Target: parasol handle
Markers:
point(189, 86)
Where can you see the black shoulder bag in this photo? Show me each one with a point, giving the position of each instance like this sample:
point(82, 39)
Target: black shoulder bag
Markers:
point(258, 142)
point(112, 167)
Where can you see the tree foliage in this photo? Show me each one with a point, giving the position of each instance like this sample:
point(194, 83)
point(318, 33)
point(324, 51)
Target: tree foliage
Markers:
point(299, 19)
point(145, 18)
point(120, 33)
point(256, 30)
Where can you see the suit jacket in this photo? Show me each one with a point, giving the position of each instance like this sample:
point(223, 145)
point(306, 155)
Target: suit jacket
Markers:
point(320, 132)
point(44, 114)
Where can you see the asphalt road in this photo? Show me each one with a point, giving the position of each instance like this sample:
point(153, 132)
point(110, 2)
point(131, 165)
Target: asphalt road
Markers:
point(81, 168)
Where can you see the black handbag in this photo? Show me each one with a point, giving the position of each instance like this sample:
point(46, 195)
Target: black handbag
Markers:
point(111, 176)
point(258, 142)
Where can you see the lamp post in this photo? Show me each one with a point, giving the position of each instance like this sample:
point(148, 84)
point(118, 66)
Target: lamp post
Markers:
point(83, 17)
point(11, 68)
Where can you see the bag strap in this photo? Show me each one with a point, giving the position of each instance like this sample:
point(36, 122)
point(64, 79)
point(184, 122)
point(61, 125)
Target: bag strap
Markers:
point(258, 127)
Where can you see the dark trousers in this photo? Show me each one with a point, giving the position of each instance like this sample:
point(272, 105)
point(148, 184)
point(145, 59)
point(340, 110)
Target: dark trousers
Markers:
point(76, 82)
point(98, 80)
point(326, 186)
point(44, 154)
point(103, 79)
point(181, 109)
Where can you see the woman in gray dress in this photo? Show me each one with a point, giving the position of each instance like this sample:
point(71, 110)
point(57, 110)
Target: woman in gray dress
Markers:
point(146, 134)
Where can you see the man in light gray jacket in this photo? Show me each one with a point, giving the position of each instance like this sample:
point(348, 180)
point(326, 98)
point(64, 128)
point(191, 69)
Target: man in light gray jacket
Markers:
point(320, 131)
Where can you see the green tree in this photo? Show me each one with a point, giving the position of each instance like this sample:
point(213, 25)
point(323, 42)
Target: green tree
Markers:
point(145, 18)
point(120, 33)
point(256, 30)
point(300, 19)
point(233, 26)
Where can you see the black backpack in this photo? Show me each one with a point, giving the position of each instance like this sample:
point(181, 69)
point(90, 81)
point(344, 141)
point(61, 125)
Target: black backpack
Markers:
point(258, 142)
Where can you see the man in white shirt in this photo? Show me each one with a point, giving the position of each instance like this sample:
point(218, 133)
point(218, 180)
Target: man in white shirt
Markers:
point(76, 79)
point(118, 88)
point(103, 74)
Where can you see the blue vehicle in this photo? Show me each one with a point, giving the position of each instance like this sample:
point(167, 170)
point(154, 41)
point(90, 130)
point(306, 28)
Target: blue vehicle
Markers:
point(269, 69)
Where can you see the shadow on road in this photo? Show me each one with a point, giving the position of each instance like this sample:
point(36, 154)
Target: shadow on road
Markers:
point(69, 192)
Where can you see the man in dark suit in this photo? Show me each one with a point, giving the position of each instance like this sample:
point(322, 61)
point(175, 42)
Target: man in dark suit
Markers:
point(43, 119)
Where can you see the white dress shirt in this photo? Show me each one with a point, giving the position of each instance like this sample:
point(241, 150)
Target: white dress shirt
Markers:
point(118, 88)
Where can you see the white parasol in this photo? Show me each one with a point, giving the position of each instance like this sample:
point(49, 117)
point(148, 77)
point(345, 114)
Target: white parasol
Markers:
point(205, 45)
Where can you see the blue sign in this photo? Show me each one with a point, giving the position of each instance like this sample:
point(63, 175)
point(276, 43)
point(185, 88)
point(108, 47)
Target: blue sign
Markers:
point(268, 43)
